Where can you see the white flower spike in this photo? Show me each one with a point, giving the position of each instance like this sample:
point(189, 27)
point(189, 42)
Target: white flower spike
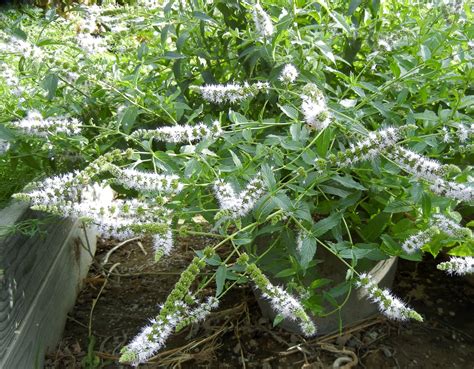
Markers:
point(458, 265)
point(288, 74)
point(389, 305)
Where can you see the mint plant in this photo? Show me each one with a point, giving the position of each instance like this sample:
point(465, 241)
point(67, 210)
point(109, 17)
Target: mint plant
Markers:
point(346, 127)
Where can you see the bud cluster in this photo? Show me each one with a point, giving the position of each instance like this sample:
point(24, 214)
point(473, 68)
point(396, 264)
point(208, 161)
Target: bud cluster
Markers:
point(175, 313)
point(14, 45)
point(367, 149)
point(153, 336)
point(462, 133)
point(453, 190)
point(4, 146)
point(91, 44)
point(288, 74)
point(415, 164)
point(284, 303)
point(178, 134)
point(162, 244)
point(232, 92)
point(34, 124)
point(438, 224)
point(11, 79)
point(235, 205)
point(314, 107)
point(458, 265)
point(388, 304)
point(263, 22)
point(146, 181)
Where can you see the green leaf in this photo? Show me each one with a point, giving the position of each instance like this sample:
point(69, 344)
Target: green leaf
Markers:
point(317, 283)
point(307, 250)
point(6, 134)
point(425, 52)
point(426, 205)
point(204, 17)
point(426, 115)
point(339, 290)
point(334, 191)
point(278, 319)
point(340, 22)
point(127, 118)
point(375, 226)
point(348, 181)
point(18, 32)
point(191, 167)
point(289, 111)
point(236, 159)
point(268, 177)
point(398, 206)
point(247, 134)
point(325, 50)
point(326, 224)
point(50, 84)
point(285, 273)
point(237, 118)
point(324, 141)
point(392, 247)
point(353, 6)
point(283, 201)
point(467, 101)
point(220, 278)
point(173, 55)
point(465, 249)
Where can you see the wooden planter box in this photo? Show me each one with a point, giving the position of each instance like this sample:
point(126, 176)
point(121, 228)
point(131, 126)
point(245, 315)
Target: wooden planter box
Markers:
point(40, 277)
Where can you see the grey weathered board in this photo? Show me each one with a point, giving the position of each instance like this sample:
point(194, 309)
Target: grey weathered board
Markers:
point(40, 277)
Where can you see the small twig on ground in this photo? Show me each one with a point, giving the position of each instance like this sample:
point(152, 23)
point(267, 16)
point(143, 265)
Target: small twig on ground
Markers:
point(349, 360)
point(77, 322)
point(116, 247)
point(140, 245)
point(94, 301)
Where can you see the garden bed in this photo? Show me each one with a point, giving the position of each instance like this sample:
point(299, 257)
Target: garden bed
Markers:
point(43, 260)
point(131, 294)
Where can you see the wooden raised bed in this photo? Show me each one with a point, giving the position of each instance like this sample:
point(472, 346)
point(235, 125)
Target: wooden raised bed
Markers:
point(40, 277)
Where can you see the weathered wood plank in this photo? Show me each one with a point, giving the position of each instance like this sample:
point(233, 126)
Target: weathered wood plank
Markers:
point(40, 281)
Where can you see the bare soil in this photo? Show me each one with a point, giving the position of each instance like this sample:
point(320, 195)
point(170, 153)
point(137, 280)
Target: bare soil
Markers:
point(121, 295)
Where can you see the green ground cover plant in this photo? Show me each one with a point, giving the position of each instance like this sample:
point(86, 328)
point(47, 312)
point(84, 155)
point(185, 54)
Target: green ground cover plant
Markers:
point(309, 125)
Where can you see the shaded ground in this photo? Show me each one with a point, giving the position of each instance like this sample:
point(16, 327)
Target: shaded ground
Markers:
point(236, 336)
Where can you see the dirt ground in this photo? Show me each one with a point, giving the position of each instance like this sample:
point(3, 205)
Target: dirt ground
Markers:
point(124, 287)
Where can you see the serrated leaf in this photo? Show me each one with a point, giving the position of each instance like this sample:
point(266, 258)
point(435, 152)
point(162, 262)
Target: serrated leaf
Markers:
point(340, 21)
point(283, 201)
point(307, 250)
point(204, 17)
point(173, 55)
point(375, 226)
point(268, 177)
point(349, 182)
point(285, 273)
point(398, 206)
point(289, 111)
point(278, 319)
point(317, 283)
point(237, 118)
point(50, 84)
point(247, 134)
point(325, 50)
point(221, 274)
point(236, 159)
point(6, 134)
point(425, 52)
point(326, 224)
point(128, 117)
